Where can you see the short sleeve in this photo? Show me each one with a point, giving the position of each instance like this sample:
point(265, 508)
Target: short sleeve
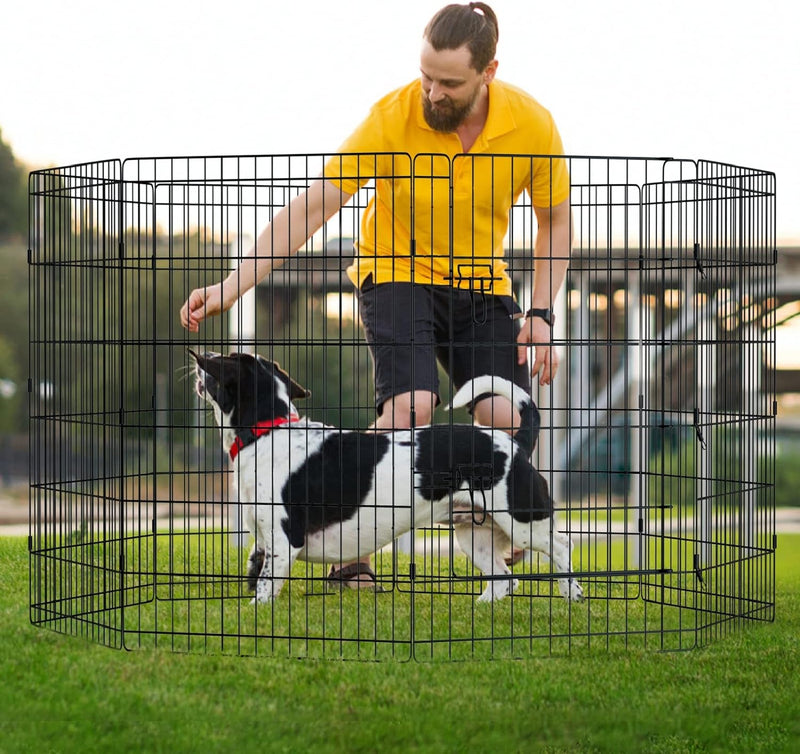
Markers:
point(355, 162)
point(550, 179)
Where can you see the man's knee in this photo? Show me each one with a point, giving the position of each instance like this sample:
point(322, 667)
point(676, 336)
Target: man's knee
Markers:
point(396, 412)
point(497, 412)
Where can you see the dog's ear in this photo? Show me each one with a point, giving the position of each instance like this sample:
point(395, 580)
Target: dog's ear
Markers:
point(296, 390)
point(543, 483)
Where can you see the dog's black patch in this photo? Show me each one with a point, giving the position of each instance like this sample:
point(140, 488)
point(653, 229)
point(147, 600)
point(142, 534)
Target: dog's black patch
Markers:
point(528, 497)
point(447, 457)
point(254, 565)
point(257, 398)
point(330, 486)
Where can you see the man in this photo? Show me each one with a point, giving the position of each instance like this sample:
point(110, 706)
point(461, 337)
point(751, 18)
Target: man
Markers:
point(416, 252)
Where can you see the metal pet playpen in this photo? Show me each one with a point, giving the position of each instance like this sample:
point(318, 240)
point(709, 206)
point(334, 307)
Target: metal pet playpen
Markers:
point(657, 434)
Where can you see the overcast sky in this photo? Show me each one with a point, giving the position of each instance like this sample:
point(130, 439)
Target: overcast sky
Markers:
point(86, 80)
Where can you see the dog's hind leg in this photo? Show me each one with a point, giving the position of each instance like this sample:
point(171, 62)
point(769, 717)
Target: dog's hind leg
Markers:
point(485, 545)
point(558, 547)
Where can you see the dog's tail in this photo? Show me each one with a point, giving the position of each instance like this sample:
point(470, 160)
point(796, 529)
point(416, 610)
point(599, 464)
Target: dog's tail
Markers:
point(528, 432)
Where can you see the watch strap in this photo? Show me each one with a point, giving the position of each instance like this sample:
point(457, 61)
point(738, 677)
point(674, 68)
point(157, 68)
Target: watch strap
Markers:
point(545, 314)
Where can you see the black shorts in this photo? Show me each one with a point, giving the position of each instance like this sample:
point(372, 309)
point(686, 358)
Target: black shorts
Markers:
point(410, 326)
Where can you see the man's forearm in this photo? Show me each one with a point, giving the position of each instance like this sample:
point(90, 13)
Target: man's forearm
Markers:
point(288, 231)
point(552, 252)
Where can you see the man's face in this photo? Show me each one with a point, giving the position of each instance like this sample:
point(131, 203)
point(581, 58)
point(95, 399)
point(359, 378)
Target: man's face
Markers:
point(450, 86)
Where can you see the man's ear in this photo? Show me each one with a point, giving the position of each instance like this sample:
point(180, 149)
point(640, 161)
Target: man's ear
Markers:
point(490, 72)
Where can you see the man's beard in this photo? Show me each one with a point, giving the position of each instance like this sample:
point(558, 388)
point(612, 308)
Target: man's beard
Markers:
point(447, 117)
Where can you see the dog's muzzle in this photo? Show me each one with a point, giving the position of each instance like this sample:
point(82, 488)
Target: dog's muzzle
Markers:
point(203, 377)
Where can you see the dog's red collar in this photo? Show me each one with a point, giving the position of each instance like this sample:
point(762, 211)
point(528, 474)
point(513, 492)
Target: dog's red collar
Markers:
point(260, 429)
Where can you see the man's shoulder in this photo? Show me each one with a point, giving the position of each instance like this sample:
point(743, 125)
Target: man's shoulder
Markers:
point(521, 102)
point(383, 128)
point(398, 101)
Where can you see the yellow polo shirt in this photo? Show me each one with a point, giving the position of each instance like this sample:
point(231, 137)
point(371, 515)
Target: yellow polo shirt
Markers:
point(461, 243)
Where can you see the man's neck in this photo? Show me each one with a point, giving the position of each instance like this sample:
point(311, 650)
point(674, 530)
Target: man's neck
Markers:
point(471, 128)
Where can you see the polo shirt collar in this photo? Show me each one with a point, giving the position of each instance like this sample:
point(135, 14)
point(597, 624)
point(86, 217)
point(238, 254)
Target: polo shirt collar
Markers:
point(500, 120)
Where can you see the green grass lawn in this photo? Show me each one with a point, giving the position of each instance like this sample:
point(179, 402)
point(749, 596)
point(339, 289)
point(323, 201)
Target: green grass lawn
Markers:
point(64, 694)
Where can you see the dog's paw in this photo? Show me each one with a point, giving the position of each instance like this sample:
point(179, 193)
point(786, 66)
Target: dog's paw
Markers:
point(265, 593)
point(571, 590)
point(260, 599)
point(496, 590)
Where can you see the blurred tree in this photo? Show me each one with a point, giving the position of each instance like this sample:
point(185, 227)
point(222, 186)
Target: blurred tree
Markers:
point(11, 390)
point(14, 305)
point(13, 301)
point(13, 194)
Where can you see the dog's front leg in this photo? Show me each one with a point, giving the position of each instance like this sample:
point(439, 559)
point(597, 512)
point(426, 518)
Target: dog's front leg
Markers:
point(279, 557)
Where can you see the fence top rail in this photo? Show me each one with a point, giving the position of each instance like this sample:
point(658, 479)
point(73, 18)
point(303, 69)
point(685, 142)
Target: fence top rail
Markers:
point(253, 169)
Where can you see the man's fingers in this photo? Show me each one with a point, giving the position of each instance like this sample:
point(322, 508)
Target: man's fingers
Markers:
point(545, 364)
point(539, 361)
point(193, 311)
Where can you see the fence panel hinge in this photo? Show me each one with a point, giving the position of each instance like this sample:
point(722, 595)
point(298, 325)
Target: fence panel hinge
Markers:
point(698, 430)
point(121, 250)
point(697, 570)
point(698, 264)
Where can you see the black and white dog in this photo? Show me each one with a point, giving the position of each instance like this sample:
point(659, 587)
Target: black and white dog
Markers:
point(326, 495)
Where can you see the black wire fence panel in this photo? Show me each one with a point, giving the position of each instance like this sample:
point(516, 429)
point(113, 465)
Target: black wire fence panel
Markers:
point(657, 437)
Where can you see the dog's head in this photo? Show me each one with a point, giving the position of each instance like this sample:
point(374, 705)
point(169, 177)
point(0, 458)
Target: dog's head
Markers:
point(244, 389)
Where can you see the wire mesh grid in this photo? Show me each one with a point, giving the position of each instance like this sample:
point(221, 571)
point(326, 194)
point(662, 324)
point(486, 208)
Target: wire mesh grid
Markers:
point(657, 436)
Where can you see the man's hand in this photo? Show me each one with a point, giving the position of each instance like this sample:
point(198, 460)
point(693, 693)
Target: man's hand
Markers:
point(536, 332)
point(202, 303)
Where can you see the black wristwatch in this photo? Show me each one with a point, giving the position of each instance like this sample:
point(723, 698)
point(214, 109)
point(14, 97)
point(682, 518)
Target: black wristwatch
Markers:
point(545, 314)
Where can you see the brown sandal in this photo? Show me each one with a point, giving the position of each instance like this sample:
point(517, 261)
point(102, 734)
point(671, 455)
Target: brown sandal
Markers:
point(515, 557)
point(347, 577)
